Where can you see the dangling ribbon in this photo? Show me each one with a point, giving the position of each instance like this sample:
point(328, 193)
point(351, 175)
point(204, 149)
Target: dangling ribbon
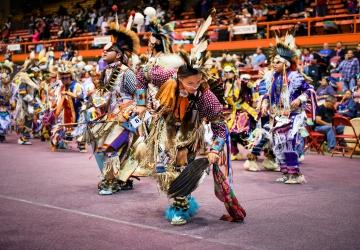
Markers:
point(225, 193)
point(182, 104)
point(228, 158)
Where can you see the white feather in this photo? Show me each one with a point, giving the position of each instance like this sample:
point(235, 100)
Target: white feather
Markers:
point(290, 41)
point(150, 12)
point(197, 50)
point(129, 23)
point(23, 77)
point(138, 19)
point(170, 61)
point(203, 28)
point(32, 55)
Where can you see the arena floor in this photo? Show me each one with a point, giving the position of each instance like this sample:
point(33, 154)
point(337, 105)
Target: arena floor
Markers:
point(49, 201)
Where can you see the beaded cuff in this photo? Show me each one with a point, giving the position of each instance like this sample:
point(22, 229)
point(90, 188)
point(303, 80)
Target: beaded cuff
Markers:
point(218, 144)
point(141, 97)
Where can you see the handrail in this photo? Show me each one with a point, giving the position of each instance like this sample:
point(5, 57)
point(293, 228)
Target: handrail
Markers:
point(213, 27)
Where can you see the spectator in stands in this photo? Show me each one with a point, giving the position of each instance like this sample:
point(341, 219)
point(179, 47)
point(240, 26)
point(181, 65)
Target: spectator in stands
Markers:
point(321, 7)
point(349, 68)
point(36, 36)
point(300, 29)
point(314, 72)
point(73, 29)
point(306, 57)
point(92, 21)
point(326, 53)
point(65, 27)
point(351, 5)
point(324, 90)
point(324, 117)
point(347, 105)
point(245, 17)
point(18, 39)
point(339, 55)
point(356, 96)
point(258, 59)
point(357, 51)
point(5, 30)
point(104, 26)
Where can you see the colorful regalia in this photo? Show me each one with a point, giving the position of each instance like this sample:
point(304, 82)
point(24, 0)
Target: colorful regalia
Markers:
point(67, 108)
point(259, 139)
point(239, 96)
point(111, 119)
point(27, 86)
point(6, 98)
point(159, 67)
point(285, 101)
point(176, 135)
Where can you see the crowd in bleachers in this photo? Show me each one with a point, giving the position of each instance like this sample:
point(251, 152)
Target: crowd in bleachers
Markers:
point(80, 21)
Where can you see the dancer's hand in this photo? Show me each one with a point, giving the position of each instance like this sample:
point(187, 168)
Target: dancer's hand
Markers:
point(295, 104)
point(213, 157)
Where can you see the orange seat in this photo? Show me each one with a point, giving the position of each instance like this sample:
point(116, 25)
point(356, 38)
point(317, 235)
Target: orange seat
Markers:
point(314, 141)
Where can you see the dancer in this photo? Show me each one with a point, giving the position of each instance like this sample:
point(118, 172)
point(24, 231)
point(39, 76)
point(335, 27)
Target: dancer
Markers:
point(6, 98)
point(185, 101)
point(259, 139)
point(285, 101)
point(27, 86)
point(114, 127)
point(67, 108)
point(239, 96)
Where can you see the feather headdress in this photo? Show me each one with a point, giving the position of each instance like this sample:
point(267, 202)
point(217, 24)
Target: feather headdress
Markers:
point(285, 48)
point(126, 40)
point(163, 34)
point(228, 63)
point(200, 43)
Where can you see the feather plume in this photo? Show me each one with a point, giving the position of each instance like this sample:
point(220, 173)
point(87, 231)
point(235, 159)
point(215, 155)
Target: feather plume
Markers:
point(196, 52)
point(23, 77)
point(203, 28)
point(170, 61)
point(129, 23)
point(150, 12)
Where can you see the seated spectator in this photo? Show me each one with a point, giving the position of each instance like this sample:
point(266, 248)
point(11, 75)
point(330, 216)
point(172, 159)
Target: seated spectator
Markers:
point(245, 17)
point(323, 122)
point(326, 53)
point(356, 96)
point(258, 58)
point(321, 7)
point(351, 5)
point(36, 36)
point(306, 57)
point(324, 90)
point(314, 72)
point(18, 39)
point(347, 107)
point(349, 68)
point(338, 56)
point(357, 52)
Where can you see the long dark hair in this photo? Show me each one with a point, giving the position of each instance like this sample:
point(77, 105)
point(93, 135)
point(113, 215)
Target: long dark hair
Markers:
point(185, 71)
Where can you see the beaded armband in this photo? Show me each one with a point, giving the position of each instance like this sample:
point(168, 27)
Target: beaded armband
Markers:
point(141, 97)
point(218, 144)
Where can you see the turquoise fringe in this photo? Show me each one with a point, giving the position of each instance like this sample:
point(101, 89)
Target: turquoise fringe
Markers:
point(171, 211)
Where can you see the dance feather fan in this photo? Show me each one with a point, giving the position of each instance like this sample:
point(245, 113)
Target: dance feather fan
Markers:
point(189, 179)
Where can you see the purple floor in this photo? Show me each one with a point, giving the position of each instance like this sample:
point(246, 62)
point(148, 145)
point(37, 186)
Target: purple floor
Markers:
point(49, 201)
